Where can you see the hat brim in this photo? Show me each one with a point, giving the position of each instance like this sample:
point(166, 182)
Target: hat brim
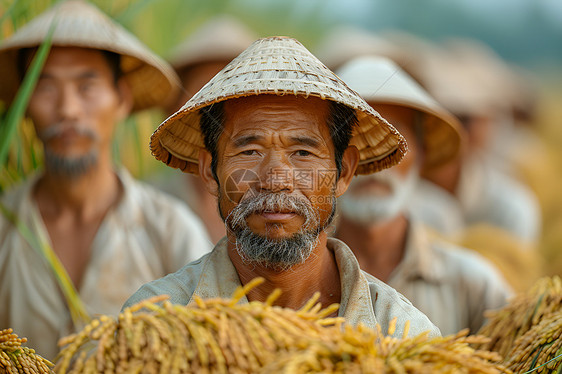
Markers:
point(442, 132)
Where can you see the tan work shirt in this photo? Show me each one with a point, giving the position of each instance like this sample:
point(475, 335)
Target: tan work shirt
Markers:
point(364, 299)
point(146, 236)
point(453, 286)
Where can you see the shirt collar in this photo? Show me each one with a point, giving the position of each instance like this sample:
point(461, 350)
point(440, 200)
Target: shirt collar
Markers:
point(220, 279)
point(356, 305)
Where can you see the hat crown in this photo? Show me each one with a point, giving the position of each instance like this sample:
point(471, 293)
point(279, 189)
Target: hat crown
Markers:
point(86, 23)
point(378, 78)
point(344, 43)
point(273, 65)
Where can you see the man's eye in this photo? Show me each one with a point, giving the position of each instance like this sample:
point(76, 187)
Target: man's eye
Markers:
point(45, 87)
point(249, 152)
point(86, 87)
point(303, 153)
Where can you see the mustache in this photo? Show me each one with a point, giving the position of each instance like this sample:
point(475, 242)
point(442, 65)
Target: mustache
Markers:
point(272, 202)
point(59, 128)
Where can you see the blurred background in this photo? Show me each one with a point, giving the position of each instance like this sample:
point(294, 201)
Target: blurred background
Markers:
point(525, 35)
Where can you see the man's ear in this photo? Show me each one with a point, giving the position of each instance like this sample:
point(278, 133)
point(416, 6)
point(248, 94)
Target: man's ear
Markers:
point(125, 99)
point(350, 161)
point(206, 172)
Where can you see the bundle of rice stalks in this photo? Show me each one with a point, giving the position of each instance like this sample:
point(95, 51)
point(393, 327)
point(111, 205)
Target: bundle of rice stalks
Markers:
point(222, 336)
point(540, 347)
point(523, 313)
point(215, 335)
point(362, 350)
point(17, 359)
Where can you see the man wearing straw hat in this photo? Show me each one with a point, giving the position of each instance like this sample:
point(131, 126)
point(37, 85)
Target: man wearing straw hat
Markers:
point(452, 286)
point(276, 137)
point(470, 189)
point(197, 59)
point(91, 227)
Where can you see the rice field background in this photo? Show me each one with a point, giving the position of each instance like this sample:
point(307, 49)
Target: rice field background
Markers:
point(162, 24)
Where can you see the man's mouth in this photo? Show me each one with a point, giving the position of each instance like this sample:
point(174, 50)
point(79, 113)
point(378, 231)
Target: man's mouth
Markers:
point(277, 215)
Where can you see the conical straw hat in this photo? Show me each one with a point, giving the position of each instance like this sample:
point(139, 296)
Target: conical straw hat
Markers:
point(380, 81)
point(494, 77)
point(80, 24)
point(454, 83)
point(220, 39)
point(276, 66)
point(344, 43)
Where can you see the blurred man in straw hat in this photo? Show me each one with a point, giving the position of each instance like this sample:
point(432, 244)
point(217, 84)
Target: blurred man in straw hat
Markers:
point(484, 192)
point(451, 285)
point(276, 137)
point(110, 232)
point(470, 188)
point(197, 59)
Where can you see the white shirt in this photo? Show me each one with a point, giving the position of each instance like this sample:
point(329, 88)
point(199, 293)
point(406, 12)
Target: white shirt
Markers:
point(147, 235)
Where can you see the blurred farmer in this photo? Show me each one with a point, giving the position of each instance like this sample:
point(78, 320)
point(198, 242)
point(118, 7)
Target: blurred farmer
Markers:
point(276, 137)
point(196, 60)
point(110, 233)
point(473, 183)
point(452, 286)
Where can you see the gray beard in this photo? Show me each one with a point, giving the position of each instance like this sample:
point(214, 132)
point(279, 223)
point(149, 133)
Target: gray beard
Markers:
point(276, 254)
point(70, 167)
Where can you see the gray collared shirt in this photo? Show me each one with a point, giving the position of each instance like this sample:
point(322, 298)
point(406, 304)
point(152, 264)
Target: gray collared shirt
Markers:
point(364, 299)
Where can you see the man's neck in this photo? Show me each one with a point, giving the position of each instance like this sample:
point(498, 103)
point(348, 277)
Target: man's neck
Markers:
point(73, 209)
point(298, 284)
point(85, 197)
point(379, 248)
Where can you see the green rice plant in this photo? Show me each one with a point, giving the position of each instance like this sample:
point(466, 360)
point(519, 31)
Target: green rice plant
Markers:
point(16, 111)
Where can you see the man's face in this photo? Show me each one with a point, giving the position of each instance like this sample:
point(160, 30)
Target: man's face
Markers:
point(381, 196)
point(75, 107)
point(277, 176)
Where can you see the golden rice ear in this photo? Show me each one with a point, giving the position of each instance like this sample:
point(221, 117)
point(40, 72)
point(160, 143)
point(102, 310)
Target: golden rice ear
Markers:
point(81, 24)
point(15, 358)
point(276, 66)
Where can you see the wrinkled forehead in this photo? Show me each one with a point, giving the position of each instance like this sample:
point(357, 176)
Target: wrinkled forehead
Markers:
point(67, 59)
point(281, 112)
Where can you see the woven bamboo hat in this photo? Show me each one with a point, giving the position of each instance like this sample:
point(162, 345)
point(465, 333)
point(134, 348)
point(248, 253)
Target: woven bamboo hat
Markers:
point(80, 24)
point(220, 39)
point(276, 66)
point(380, 81)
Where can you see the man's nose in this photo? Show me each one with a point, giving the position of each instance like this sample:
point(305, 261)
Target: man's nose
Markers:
point(69, 105)
point(276, 174)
